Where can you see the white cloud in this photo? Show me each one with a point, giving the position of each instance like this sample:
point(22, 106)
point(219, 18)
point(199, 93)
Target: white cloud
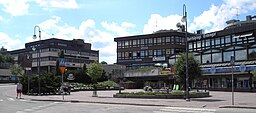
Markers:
point(9, 43)
point(100, 39)
point(215, 18)
point(1, 18)
point(157, 22)
point(15, 7)
point(120, 30)
point(69, 4)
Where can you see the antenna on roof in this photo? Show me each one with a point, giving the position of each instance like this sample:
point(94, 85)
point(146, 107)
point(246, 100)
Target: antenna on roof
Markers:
point(237, 15)
point(52, 35)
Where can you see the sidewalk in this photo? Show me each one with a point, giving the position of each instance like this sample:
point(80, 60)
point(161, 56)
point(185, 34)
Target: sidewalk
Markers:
point(218, 99)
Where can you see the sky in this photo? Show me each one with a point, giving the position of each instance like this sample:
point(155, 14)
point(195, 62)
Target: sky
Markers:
point(100, 21)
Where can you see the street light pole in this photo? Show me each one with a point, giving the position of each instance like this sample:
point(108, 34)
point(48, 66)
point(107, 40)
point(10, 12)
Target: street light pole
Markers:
point(39, 61)
point(184, 19)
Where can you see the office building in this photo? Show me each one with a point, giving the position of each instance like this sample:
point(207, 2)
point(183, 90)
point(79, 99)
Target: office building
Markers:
point(212, 50)
point(76, 51)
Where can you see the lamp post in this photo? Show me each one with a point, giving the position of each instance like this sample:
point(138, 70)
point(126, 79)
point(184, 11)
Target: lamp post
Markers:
point(39, 57)
point(184, 19)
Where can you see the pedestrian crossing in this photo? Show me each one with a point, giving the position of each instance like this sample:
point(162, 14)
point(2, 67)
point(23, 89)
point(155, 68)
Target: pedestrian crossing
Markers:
point(184, 110)
point(12, 99)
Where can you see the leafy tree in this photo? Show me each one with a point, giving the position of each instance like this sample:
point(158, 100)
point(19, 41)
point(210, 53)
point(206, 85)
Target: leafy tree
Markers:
point(254, 74)
point(1, 58)
point(95, 72)
point(194, 71)
point(16, 70)
point(103, 62)
point(49, 84)
point(104, 77)
point(9, 59)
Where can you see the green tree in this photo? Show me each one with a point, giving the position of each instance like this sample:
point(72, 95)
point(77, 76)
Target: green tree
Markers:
point(103, 62)
point(95, 72)
point(8, 59)
point(194, 71)
point(16, 70)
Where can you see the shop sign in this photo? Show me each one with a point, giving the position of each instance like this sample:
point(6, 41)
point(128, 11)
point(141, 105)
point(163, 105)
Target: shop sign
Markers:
point(158, 58)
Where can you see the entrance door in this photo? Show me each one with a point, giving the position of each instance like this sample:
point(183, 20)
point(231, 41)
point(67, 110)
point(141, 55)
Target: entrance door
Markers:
point(246, 83)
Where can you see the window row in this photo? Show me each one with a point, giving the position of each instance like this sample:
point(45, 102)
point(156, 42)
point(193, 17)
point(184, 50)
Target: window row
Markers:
point(69, 52)
point(151, 42)
point(215, 57)
point(219, 42)
point(147, 53)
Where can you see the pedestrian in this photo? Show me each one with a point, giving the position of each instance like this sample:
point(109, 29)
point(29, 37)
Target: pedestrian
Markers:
point(19, 89)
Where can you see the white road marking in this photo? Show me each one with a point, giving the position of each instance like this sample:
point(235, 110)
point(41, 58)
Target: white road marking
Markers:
point(38, 107)
point(185, 110)
point(10, 99)
point(1, 100)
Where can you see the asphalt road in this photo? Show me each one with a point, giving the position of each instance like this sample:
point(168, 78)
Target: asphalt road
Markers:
point(10, 104)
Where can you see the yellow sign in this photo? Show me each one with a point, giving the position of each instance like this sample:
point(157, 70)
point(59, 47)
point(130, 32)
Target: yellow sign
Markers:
point(168, 51)
point(62, 69)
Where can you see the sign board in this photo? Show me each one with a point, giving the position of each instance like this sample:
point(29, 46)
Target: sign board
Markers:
point(158, 58)
point(61, 62)
point(232, 60)
point(71, 77)
point(213, 70)
point(242, 68)
point(62, 69)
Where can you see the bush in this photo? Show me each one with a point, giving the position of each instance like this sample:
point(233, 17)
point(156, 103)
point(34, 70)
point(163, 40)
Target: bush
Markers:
point(107, 84)
point(49, 84)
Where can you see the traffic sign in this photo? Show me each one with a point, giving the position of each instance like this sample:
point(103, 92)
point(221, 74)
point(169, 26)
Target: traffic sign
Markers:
point(61, 62)
point(62, 69)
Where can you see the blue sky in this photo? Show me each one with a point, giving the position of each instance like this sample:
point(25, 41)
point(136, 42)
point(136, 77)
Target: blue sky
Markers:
point(100, 21)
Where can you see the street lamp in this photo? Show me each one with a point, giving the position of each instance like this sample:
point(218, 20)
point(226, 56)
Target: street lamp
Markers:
point(184, 19)
point(39, 57)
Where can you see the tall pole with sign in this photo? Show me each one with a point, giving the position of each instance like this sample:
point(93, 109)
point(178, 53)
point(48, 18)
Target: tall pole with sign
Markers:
point(62, 68)
point(232, 63)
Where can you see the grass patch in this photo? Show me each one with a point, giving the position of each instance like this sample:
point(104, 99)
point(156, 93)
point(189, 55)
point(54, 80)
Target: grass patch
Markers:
point(157, 93)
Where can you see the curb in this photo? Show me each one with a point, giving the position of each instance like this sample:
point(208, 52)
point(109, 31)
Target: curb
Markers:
point(77, 101)
point(238, 106)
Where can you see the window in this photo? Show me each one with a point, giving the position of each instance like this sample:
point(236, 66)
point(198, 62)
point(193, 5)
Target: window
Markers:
point(198, 45)
point(177, 40)
point(142, 41)
point(150, 42)
point(168, 40)
point(227, 41)
point(222, 40)
point(118, 44)
point(172, 40)
point(155, 42)
point(150, 53)
point(190, 45)
point(213, 42)
point(240, 55)
point(252, 54)
point(227, 55)
point(142, 54)
point(198, 58)
point(134, 54)
point(216, 57)
point(61, 44)
point(126, 44)
point(206, 58)
point(159, 41)
point(217, 42)
point(134, 42)
point(207, 43)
